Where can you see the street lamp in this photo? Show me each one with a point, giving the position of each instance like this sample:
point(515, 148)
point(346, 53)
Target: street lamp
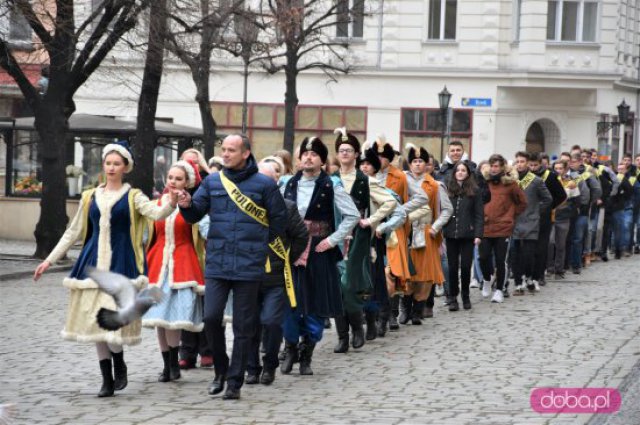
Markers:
point(623, 118)
point(444, 97)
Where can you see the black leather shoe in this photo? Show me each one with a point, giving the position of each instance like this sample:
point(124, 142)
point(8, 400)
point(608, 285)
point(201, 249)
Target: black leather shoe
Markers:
point(268, 376)
point(292, 357)
point(393, 324)
point(453, 304)
point(372, 328)
point(217, 385)
point(251, 379)
point(357, 329)
point(342, 329)
point(231, 394)
point(466, 304)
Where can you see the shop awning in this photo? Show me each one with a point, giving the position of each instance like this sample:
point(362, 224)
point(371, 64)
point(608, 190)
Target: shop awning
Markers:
point(95, 124)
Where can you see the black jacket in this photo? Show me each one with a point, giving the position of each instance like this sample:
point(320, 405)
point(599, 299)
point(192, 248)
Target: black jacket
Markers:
point(295, 239)
point(618, 201)
point(558, 194)
point(467, 220)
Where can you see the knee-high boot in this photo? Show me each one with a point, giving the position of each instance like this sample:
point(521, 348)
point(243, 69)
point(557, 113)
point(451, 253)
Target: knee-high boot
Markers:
point(107, 379)
point(119, 371)
point(342, 327)
point(383, 321)
point(165, 375)
point(372, 331)
point(306, 353)
point(174, 366)
point(405, 309)
point(290, 359)
point(395, 310)
point(355, 320)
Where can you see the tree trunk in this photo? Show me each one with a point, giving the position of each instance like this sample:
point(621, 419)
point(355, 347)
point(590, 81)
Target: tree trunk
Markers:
point(209, 126)
point(146, 136)
point(290, 105)
point(52, 125)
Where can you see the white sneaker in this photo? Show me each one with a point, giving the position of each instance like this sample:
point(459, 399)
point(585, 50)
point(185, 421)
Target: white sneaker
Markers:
point(497, 297)
point(474, 284)
point(536, 285)
point(439, 290)
point(486, 288)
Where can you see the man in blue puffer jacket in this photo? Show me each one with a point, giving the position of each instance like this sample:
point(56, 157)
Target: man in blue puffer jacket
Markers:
point(237, 246)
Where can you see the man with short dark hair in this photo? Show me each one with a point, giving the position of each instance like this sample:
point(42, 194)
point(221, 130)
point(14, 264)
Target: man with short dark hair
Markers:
point(527, 226)
point(247, 214)
point(559, 195)
point(455, 154)
point(590, 195)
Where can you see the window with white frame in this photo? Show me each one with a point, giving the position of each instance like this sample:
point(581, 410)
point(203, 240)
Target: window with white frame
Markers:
point(572, 21)
point(442, 19)
point(350, 18)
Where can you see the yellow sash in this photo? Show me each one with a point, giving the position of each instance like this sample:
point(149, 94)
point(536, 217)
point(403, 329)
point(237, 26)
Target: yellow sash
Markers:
point(259, 214)
point(526, 180)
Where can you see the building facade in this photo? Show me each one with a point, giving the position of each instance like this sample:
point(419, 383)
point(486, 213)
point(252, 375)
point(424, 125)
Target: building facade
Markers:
point(524, 74)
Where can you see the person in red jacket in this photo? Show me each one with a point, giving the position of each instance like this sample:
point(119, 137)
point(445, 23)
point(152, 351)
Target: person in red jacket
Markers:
point(507, 202)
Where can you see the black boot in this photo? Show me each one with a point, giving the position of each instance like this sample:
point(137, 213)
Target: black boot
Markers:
point(174, 367)
point(416, 312)
point(342, 327)
point(306, 353)
point(383, 322)
point(357, 329)
point(292, 357)
point(405, 309)
point(165, 375)
point(107, 379)
point(453, 304)
point(372, 331)
point(395, 310)
point(119, 371)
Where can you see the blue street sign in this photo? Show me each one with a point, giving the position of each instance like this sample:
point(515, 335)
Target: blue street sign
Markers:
point(476, 101)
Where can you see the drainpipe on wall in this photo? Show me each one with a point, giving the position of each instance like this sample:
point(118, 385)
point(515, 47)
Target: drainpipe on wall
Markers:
point(380, 22)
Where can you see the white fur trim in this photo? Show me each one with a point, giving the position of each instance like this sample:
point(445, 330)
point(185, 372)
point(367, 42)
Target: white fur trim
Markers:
point(108, 337)
point(381, 139)
point(139, 283)
point(188, 168)
point(182, 325)
point(114, 147)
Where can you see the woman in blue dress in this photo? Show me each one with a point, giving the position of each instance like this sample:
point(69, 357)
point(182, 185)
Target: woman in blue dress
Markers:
point(110, 221)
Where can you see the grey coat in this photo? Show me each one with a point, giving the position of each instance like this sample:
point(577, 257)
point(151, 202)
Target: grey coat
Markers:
point(538, 199)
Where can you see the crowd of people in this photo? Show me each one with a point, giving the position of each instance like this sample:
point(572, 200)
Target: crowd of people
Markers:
point(368, 238)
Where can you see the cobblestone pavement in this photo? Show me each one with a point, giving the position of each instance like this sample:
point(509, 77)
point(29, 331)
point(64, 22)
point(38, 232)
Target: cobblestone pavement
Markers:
point(468, 367)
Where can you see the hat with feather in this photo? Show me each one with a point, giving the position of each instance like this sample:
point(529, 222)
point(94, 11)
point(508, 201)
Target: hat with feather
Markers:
point(414, 152)
point(346, 138)
point(382, 148)
point(314, 144)
point(370, 155)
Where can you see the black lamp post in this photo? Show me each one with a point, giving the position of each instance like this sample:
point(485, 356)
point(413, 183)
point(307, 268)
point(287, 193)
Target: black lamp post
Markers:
point(623, 118)
point(444, 97)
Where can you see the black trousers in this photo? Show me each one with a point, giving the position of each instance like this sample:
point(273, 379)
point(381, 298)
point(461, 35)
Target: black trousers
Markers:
point(194, 343)
point(489, 248)
point(460, 257)
point(523, 259)
point(542, 249)
point(245, 310)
